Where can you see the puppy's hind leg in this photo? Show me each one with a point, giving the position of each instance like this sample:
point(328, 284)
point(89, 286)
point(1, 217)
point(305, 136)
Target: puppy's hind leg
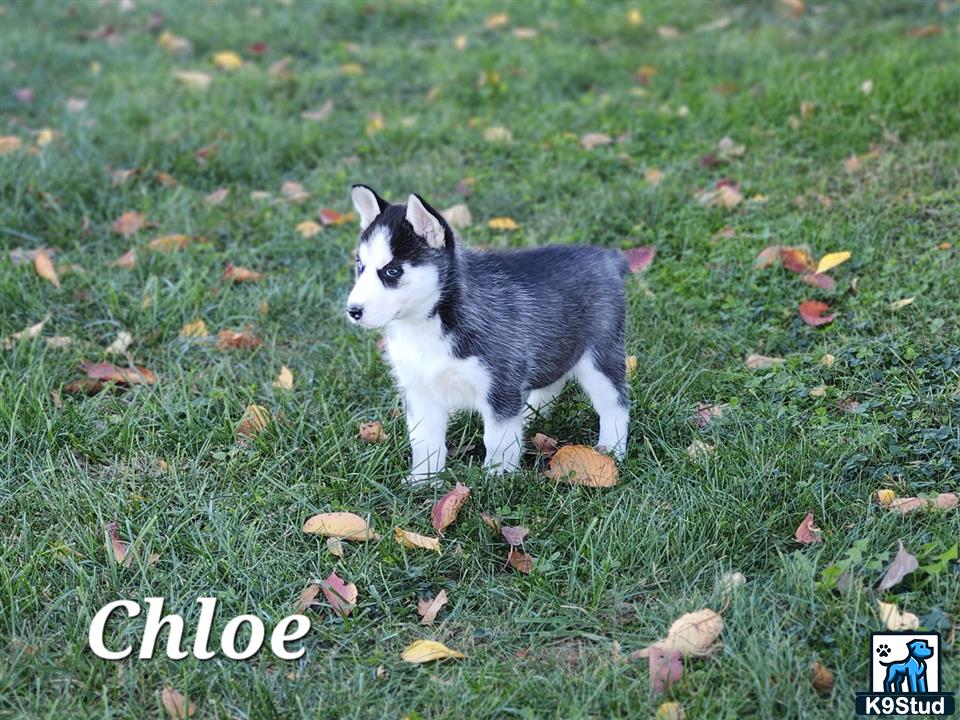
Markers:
point(604, 381)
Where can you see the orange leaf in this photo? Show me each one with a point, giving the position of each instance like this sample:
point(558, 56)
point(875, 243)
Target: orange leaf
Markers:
point(372, 432)
point(583, 465)
point(127, 261)
point(241, 274)
point(812, 313)
point(521, 561)
point(332, 217)
point(105, 372)
point(234, 340)
point(254, 421)
point(797, 260)
point(130, 223)
point(169, 243)
point(807, 533)
point(44, 267)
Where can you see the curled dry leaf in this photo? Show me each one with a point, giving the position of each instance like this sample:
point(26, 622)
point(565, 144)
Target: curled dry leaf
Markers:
point(630, 363)
point(767, 257)
point(428, 609)
point(812, 313)
point(341, 596)
point(308, 228)
point(640, 258)
point(342, 525)
point(169, 243)
point(490, 521)
point(120, 344)
point(254, 421)
point(448, 507)
point(127, 261)
point(241, 274)
point(372, 432)
point(797, 260)
point(284, 380)
point(320, 114)
point(544, 444)
point(105, 372)
point(886, 496)
point(424, 651)
point(582, 465)
point(130, 223)
point(521, 561)
point(514, 534)
point(807, 533)
point(821, 678)
point(497, 134)
point(708, 412)
point(227, 60)
point(458, 216)
point(900, 304)
point(308, 597)
point(666, 667)
point(196, 328)
point(44, 267)
point(335, 547)
point(9, 144)
point(895, 619)
point(903, 564)
point(176, 704)
point(119, 548)
point(653, 176)
point(237, 340)
point(413, 540)
point(26, 334)
point(700, 450)
point(731, 580)
point(217, 197)
point(595, 139)
point(502, 223)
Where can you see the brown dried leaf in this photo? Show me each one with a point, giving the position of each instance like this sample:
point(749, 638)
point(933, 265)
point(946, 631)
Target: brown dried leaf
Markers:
point(428, 609)
point(763, 362)
point(821, 678)
point(448, 507)
point(514, 534)
point(169, 243)
point(544, 444)
point(217, 197)
point(807, 533)
point(241, 274)
point(253, 422)
point(372, 432)
point(130, 223)
point(595, 139)
point(581, 465)
point(176, 704)
point(902, 565)
point(308, 597)
point(127, 261)
point(234, 340)
point(521, 561)
point(105, 372)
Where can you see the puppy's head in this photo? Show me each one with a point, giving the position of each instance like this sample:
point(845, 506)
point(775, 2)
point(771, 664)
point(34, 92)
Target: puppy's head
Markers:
point(400, 259)
point(920, 649)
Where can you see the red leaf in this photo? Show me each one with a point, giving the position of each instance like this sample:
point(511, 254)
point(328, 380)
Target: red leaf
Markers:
point(521, 561)
point(808, 533)
point(797, 260)
point(446, 510)
point(811, 311)
point(341, 596)
point(820, 280)
point(105, 372)
point(640, 258)
point(666, 667)
point(257, 48)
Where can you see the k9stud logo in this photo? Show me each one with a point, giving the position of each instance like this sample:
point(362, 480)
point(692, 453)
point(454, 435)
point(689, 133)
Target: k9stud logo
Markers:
point(905, 676)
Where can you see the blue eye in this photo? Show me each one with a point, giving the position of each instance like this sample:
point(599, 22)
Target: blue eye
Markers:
point(392, 272)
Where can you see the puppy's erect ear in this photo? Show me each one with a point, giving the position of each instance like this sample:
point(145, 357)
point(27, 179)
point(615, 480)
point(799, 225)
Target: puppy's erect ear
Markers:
point(426, 222)
point(368, 204)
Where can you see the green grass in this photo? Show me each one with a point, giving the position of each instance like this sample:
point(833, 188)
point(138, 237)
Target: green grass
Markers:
point(614, 566)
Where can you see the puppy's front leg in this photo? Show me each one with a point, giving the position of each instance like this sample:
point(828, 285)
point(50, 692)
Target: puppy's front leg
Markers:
point(503, 441)
point(427, 428)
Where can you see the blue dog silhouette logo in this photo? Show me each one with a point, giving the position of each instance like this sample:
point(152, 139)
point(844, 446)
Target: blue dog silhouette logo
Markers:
point(905, 676)
point(909, 674)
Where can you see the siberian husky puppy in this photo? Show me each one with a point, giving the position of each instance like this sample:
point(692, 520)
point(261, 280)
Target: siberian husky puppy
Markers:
point(495, 332)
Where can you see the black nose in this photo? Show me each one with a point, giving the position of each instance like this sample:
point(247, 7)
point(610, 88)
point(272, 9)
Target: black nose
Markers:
point(355, 311)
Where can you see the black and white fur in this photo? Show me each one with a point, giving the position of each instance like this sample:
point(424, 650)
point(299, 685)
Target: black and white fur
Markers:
point(495, 332)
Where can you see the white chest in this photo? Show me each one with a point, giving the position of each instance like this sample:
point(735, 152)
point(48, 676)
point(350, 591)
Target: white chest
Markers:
point(423, 363)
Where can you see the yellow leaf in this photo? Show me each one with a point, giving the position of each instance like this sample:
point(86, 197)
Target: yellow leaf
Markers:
point(502, 223)
point(895, 619)
point(497, 20)
point(254, 421)
point(9, 144)
point(414, 540)
point(45, 136)
point(351, 68)
point(497, 134)
point(173, 44)
point(671, 711)
point(343, 525)
point(693, 633)
point(582, 465)
point(900, 304)
point(699, 450)
point(460, 42)
point(423, 651)
point(308, 228)
point(831, 260)
point(886, 497)
point(284, 379)
point(634, 17)
point(631, 364)
point(194, 79)
point(197, 328)
point(227, 60)
point(44, 267)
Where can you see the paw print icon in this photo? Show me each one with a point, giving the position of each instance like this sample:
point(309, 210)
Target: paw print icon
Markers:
point(883, 650)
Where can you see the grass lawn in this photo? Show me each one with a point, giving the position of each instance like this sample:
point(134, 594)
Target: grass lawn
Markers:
point(848, 118)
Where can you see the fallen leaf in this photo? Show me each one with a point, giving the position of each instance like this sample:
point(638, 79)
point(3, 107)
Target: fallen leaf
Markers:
point(46, 136)
point(26, 334)
point(490, 521)
point(797, 260)
point(653, 176)
point(666, 667)
point(923, 31)
point(812, 313)
point(728, 150)
point(173, 44)
point(343, 525)
point(851, 164)
point(699, 450)
point(423, 651)
point(58, 341)
point(293, 191)
point(241, 274)
point(886, 496)
point(281, 68)
point(630, 364)
point(900, 304)
point(730, 581)
point(693, 634)
point(902, 565)
point(335, 547)
point(120, 344)
point(341, 596)
point(497, 134)
point(502, 223)
point(807, 533)
point(819, 280)
point(166, 179)
point(176, 705)
point(524, 33)
point(44, 268)
point(351, 69)
point(763, 362)
point(332, 217)
point(458, 216)
point(194, 79)
point(828, 360)
point(127, 261)
point(320, 114)
point(119, 548)
point(372, 432)
point(9, 144)
point(668, 32)
point(448, 507)
point(237, 340)
point(821, 678)
point(284, 380)
point(105, 372)
point(582, 465)
point(308, 228)
point(708, 412)
point(640, 258)
point(671, 711)
point(169, 243)
point(196, 328)
point(767, 257)
point(544, 444)
point(414, 540)
point(497, 20)
point(595, 139)
point(428, 609)
point(217, 197)
point(227, 60)
point(634, 17)
point(895, 619)
point(514, 534)
point(254, 421)
point(460, 42)
point(308, 597)
point(831, 260)
point(818, 391)
point(521, 561)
